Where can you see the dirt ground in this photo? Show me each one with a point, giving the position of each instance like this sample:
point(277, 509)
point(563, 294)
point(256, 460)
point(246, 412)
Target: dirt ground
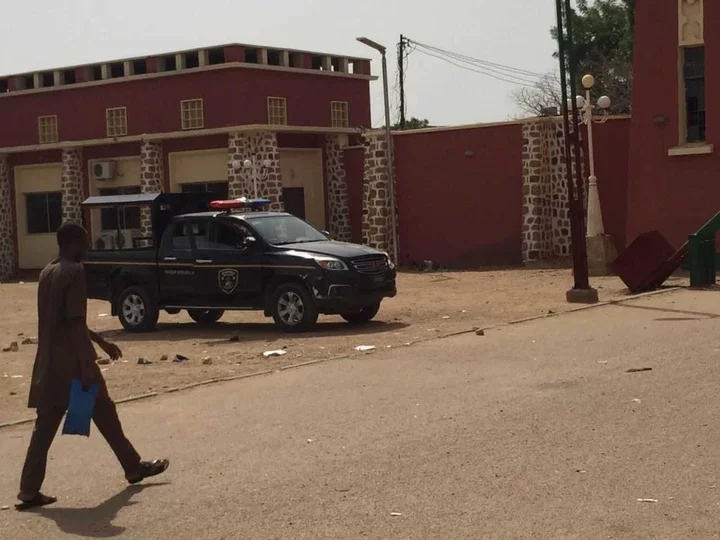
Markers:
point(429, 305)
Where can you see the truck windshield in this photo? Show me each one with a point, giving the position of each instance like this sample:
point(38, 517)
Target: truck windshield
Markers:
point(279, 230)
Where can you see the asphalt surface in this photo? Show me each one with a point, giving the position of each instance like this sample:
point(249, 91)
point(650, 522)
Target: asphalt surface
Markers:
point(532, 431)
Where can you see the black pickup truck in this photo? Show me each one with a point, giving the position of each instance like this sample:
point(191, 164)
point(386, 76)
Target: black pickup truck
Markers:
point(207, 257)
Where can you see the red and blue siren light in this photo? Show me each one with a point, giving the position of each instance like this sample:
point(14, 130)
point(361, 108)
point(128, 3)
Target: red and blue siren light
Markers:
point(236, 204)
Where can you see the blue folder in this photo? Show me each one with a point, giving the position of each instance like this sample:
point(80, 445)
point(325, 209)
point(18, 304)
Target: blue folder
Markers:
point(80, 410)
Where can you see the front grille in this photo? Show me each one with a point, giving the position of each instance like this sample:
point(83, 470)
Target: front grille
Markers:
point(372, 264)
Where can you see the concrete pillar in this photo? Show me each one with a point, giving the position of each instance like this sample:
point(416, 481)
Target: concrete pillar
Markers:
point(7, 229)
point(258, 147)
point(152, 177)
point(72, 185)
point(338, 201)
point(377, 230)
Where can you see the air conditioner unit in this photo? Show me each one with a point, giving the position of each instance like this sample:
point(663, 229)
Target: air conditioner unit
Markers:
point(124, 240)
point(103, 170)
point(106, 241)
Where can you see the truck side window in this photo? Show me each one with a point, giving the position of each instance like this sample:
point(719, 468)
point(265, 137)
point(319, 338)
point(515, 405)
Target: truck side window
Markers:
point(221, 236)
point(179, 239)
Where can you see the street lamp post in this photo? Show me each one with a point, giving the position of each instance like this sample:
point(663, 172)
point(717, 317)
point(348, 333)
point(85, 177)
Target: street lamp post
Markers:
point(600, 249)
point(388, 133)
point(259, 170)
point(594, 221)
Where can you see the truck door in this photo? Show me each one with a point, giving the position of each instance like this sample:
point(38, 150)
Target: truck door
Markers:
point(228, 269)
point(176, 265)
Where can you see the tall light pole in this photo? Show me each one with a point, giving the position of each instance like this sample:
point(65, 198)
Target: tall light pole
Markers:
point(600, 249)
point(388, 134)
point(259, 171)
point(585, 105)
point(581, 291)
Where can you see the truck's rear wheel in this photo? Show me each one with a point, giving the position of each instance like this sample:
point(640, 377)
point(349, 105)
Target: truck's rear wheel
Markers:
point(366, 314)
point(137, 310)
point(206, 316)
point(293, 309)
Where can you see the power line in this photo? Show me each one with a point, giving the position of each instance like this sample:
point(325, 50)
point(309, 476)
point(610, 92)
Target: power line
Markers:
point(477, 61)
point(503, 78)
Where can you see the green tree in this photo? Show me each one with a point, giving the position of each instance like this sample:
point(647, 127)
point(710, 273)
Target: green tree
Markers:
point(413, 123)
point(603, 44)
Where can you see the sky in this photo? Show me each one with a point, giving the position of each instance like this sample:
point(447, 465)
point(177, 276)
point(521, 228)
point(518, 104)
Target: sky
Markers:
point(43, 34)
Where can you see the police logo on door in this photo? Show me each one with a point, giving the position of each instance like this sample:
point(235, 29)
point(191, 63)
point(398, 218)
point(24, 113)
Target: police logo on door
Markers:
point(228, 280)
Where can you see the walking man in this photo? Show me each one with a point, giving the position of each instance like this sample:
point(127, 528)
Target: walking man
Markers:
point(65, 352)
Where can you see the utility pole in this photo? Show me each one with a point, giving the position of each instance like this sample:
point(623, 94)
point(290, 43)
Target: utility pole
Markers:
point(581, 291)
point(401, 69)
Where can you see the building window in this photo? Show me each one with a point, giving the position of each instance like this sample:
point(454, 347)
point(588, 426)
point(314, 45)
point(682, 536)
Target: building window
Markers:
point(694, 79)
point(339, 114)
point(277, 111)
point(192, 114)
point(219, 189)
point(47, 129)
point(127, 217)
point(116, 120)
point(44, 212)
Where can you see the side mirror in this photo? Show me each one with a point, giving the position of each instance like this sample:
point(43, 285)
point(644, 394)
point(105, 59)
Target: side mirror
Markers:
point(326, 233)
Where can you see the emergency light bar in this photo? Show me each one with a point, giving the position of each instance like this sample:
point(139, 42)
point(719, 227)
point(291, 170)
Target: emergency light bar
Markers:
point(226, 206)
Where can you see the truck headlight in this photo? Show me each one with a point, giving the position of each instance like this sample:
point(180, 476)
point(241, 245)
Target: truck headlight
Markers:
point(331, 264)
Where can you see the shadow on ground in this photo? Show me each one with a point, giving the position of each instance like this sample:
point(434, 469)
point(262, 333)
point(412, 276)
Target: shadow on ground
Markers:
point(94, 522)
point(221, 332)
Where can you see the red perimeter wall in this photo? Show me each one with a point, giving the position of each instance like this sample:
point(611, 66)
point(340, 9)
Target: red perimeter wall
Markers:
point(459, 209)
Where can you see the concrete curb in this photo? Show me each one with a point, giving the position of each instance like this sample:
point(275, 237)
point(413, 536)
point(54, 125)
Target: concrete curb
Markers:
point(323, 360)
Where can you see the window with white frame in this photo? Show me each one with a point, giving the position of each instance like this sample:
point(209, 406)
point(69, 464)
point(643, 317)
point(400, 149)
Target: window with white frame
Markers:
point(192, 114)
point(116, 121)
point(277, 111)
point(339, 114)
point(47, 129)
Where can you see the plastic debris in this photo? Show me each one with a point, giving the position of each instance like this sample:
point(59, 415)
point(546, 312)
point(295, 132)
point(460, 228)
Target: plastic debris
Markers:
point(179, 358)
point(365, 348)
point(636, 400)
point(280, 352)
point(603, 362)
point(480, 332)
point(16, 376)
point(395, 514)
point(446, 317)
point(30, 341)
point(142, 361)
point(102, 315)
point(12, 348)
point(164, 358)
point(647, 500)
point(207, 361)
point(638, 370)
point(4, 507)
point(103, 361)
point(104, 369)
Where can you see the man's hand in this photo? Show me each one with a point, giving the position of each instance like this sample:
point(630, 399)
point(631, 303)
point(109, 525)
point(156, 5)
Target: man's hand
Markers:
point(112, 350)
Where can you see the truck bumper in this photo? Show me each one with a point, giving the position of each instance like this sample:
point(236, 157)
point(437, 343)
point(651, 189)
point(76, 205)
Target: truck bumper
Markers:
point(336, 298)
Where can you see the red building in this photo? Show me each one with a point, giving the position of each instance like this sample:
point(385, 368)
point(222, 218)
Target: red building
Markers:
point(674, 178)
point(220, 118)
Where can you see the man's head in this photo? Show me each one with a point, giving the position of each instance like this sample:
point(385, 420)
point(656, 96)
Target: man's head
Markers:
point(72, 240)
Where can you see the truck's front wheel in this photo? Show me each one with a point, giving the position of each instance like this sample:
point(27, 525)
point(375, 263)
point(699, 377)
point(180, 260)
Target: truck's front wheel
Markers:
point(293, 308)
point(137, 310)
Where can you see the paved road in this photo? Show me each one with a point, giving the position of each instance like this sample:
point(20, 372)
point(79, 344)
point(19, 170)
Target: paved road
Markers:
point(528, 432)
